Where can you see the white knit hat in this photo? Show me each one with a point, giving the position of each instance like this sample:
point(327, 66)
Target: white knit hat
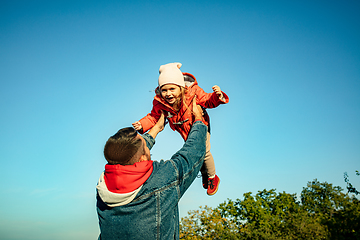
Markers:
point(170, 74)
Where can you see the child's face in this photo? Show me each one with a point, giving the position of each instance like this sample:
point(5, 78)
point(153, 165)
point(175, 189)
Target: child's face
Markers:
point(170, 92)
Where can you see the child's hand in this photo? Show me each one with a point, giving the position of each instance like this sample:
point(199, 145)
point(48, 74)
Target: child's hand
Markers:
point(137, 125)
point(217, 90)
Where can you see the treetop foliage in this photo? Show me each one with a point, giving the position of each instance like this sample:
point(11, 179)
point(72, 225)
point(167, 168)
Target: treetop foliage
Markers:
point(323, 212)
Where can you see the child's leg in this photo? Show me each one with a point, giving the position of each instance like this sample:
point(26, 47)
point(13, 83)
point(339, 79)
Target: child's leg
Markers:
point(210, 180)
point(209, 164)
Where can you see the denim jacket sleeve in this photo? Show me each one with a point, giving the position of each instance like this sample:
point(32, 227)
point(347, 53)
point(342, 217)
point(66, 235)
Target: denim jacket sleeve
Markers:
point(150, 141)
point(189, 159)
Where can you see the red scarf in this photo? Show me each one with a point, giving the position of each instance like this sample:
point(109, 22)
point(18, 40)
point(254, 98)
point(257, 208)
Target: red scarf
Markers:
point(125, 179)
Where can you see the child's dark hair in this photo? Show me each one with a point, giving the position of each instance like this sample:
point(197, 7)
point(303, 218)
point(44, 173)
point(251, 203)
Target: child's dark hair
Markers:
point(122, 147)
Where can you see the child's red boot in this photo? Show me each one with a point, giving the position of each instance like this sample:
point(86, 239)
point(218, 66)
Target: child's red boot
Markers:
point(213, 185)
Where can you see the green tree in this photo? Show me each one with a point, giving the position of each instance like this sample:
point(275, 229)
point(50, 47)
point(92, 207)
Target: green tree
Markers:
point(349, 186)
point(323, 212)
point(206, 223)
point(269, 215)
point(337, 210)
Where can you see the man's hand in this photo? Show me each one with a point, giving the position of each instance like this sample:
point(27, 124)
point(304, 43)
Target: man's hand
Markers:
point(137, 125)
point(197, 111)
point(158, 127)
point(217, 90)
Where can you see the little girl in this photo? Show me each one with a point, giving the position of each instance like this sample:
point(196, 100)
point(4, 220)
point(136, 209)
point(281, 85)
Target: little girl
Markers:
point(174, 95)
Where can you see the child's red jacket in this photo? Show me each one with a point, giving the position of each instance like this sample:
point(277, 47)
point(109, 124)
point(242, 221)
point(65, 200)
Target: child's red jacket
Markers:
point(182, 120)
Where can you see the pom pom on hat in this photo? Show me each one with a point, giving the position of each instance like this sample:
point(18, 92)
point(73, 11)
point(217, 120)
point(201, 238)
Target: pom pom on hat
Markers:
point(170, 74)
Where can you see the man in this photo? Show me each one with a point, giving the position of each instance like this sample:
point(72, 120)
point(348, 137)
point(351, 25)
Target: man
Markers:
point(137, 198)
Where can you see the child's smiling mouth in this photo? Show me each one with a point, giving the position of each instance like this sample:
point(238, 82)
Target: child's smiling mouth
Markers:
point(169, 99)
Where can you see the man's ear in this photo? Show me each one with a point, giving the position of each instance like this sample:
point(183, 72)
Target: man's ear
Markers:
point(143, 158)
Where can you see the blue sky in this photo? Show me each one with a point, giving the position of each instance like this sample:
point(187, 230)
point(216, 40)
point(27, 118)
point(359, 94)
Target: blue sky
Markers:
point(74, 72)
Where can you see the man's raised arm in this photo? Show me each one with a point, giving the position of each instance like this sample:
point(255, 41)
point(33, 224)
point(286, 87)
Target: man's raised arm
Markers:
point(158, 127)
point(190, 157)
point(151, 135)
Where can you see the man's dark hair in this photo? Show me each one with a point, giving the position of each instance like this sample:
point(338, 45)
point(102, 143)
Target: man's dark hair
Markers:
point(123, 146)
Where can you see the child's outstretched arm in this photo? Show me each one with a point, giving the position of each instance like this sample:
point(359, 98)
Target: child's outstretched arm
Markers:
point(218, 92)
point(211, 100)
point(147, 122)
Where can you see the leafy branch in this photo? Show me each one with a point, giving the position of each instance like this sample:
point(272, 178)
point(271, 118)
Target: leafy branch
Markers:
point(349, 186)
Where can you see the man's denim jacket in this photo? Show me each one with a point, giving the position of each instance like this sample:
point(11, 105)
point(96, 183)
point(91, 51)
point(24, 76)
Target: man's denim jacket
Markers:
point(154, 213)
